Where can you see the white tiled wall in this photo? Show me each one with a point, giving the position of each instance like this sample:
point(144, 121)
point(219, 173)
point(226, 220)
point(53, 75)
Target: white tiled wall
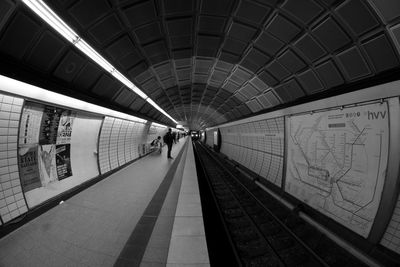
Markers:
point(104, 144)
point(128, 140)
point(119, 140)
point(121, 143)
point(132, 141)
point(114, 143)
point(259, 146)
point(137, 135)
point(391, 238)
point(12, 202)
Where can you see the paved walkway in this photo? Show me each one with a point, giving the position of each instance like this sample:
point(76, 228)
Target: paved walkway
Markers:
point(96, 226)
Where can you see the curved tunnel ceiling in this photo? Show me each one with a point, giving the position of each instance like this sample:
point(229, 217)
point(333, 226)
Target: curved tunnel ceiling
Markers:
point(211, 61)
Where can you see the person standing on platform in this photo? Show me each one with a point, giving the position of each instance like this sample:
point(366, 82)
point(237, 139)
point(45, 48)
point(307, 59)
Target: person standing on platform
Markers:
point(169, 139)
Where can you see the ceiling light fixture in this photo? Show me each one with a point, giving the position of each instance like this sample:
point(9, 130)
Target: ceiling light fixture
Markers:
point(151, 102)
point(45, 12)
point(29, 91)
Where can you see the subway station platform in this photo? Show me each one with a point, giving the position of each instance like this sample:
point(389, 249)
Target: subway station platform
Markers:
point(146, 214)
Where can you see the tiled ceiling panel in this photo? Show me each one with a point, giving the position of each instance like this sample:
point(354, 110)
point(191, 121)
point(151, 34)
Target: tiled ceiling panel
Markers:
point(87, 77)
point(206, 61)
point(47, 50)
point(305, 10)
point(381, 53)
point(109, 28)
point(69, 66)
point(331, 35)
point(353, 64)
point(88, 11)
point(13, 35)
point(329, 74)
point(251, 12)
point(357, 16)
point(148, 33)
point(140, 14)
point(283, 29)
point(310, 48)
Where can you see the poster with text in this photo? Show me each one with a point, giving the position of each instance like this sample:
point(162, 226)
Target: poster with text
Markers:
point(63, 161)
point(49, 125)
point(28, 166)
point(337, 162)
point(65, 127)
point(30, 124)
point(47, 164)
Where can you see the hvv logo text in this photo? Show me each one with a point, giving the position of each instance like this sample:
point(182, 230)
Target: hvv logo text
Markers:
point(375, 115)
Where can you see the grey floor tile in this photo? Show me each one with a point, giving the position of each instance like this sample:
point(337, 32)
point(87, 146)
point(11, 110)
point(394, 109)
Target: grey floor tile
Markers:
point(189, 226)
point(189, 209)
point(156, 254)
point(159, 240)
point(188, 250)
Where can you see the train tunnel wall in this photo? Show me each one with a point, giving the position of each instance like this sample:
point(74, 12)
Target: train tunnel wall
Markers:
point(338, 156)
point(47, 149)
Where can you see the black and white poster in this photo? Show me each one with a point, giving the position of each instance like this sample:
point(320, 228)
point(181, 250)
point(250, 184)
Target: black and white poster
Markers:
point(30, 124)
point(63, 161)
point(47, 166)
point(65, 127)
point(49, 125)
point(28, 166)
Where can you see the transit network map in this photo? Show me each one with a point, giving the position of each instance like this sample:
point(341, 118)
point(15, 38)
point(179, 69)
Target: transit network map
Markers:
point(337, 160)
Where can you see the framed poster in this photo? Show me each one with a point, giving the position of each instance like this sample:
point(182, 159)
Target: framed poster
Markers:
point(63, 161)
point(64, 131)
point(30, 124)
point(28, 166)
point(47, 163)
point(49, 125)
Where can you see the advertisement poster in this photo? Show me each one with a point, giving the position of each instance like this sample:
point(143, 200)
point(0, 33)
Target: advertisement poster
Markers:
point(63, 161)
point(30, 124)
point(47, 164)
point(49, 125)
point(65, 127)
point(29, 171)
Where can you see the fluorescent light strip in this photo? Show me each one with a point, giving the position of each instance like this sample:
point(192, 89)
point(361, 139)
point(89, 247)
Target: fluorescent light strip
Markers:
point(45, 12)
point(52, 19)
point(160, 109)
point(158, 125)
point(29, 91)
point(90, 52)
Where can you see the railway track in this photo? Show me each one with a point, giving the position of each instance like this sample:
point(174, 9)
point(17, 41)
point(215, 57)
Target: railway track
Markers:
point(262, 231)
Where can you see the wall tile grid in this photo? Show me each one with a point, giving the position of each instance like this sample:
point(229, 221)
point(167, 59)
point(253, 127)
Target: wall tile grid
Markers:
point(119, 141)
point(258, 146)
point(104, 143)
point(12, 202)
point(134, 140)
point(114, 143)
point(128, 140)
